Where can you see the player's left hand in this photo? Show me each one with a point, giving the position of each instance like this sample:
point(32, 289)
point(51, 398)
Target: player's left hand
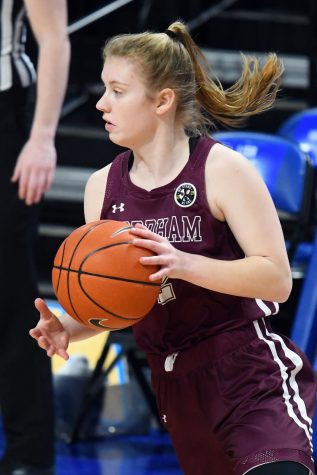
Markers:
point(34, 169)
point(172, 262)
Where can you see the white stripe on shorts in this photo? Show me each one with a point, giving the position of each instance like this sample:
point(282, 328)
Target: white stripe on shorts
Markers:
point(267, 311)
point(295, 359)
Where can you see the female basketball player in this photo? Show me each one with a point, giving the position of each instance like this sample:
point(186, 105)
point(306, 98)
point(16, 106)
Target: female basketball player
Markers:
point(234, 396)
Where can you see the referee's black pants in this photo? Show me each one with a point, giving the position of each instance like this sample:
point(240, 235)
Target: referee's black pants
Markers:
point(26, 400)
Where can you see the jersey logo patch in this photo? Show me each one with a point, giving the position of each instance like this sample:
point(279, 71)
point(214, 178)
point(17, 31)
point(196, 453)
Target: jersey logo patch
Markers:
point(185, 195)
point(116, 208)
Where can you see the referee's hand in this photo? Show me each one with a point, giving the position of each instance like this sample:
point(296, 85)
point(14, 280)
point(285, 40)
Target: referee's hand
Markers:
point(34, 169)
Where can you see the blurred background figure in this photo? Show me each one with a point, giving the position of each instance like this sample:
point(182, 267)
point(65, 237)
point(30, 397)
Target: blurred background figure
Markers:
point(30, 104)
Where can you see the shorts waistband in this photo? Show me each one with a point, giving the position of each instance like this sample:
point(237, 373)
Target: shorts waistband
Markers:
point(213, 348)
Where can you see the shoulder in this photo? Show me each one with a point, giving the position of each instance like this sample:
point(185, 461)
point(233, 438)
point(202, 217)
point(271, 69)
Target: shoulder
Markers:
point(224, 161)
point(228, 173)
point(98, 177)
point(94, 193)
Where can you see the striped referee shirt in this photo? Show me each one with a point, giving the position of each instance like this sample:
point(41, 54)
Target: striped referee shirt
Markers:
point(16, 67)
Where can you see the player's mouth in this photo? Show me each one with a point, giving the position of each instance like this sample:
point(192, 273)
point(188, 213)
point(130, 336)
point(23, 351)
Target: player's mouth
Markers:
point(109, 126)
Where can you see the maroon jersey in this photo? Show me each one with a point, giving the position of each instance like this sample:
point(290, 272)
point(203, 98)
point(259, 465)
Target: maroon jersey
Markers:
point(185, 314)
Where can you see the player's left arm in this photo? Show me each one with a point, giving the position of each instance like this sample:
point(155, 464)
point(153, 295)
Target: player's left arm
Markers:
point(36, 164)
point(236, 194)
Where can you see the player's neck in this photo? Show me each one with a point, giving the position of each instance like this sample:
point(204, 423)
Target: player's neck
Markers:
point(159, 161)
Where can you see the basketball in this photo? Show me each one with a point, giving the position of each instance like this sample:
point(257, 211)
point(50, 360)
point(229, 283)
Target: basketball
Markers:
point(98, 279)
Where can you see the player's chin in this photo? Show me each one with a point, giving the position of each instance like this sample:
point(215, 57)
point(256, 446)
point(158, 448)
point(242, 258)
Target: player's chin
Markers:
point(116, 139)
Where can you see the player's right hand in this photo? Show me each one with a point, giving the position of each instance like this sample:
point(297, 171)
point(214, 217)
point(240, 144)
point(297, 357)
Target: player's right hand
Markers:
point(50, 334)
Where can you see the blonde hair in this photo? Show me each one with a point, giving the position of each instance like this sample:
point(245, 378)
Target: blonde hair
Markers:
point(174, 60)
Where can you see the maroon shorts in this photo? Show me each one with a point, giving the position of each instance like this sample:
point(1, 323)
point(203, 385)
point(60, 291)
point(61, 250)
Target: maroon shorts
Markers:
point(244, 398)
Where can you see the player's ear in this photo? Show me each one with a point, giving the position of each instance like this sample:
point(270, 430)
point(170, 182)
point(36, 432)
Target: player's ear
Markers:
point(166, 99)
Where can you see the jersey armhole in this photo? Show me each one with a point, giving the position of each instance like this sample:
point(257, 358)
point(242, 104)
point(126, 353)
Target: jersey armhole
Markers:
point(206, 147)
point(115, 176)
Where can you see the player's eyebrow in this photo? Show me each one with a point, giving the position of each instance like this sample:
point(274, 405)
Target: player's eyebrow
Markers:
point(116, 82)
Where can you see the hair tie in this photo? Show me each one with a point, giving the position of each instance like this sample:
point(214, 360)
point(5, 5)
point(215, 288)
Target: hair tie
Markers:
point(174, 36)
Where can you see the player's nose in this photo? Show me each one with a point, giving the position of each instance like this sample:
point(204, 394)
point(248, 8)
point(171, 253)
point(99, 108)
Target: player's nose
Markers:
point(103, 104)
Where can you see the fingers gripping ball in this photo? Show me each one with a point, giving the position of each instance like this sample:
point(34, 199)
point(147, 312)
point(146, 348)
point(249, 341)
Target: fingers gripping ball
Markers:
point(98, 279)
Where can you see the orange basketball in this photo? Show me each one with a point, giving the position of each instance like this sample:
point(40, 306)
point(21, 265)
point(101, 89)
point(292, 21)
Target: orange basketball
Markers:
point(98, 279)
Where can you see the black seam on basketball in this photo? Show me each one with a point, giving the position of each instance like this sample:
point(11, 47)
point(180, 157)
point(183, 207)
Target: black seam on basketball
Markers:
point(121, 243)
point(83, 236)
point(69, 297)
point(69, 270)
point(112, 277)
point(71, 259)
point(60, 272)
point(100, 306)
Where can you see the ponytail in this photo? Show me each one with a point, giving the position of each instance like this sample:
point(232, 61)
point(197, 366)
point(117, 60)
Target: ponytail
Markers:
point(254, 92)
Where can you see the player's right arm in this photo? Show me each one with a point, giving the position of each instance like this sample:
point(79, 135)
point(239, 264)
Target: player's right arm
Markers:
point(54, 334)
point(95, 193)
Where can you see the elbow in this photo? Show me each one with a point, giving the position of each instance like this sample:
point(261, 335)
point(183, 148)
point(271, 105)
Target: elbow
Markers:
point(284, 288)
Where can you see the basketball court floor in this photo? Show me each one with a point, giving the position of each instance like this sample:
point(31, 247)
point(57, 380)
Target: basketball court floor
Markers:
point(125, 455)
